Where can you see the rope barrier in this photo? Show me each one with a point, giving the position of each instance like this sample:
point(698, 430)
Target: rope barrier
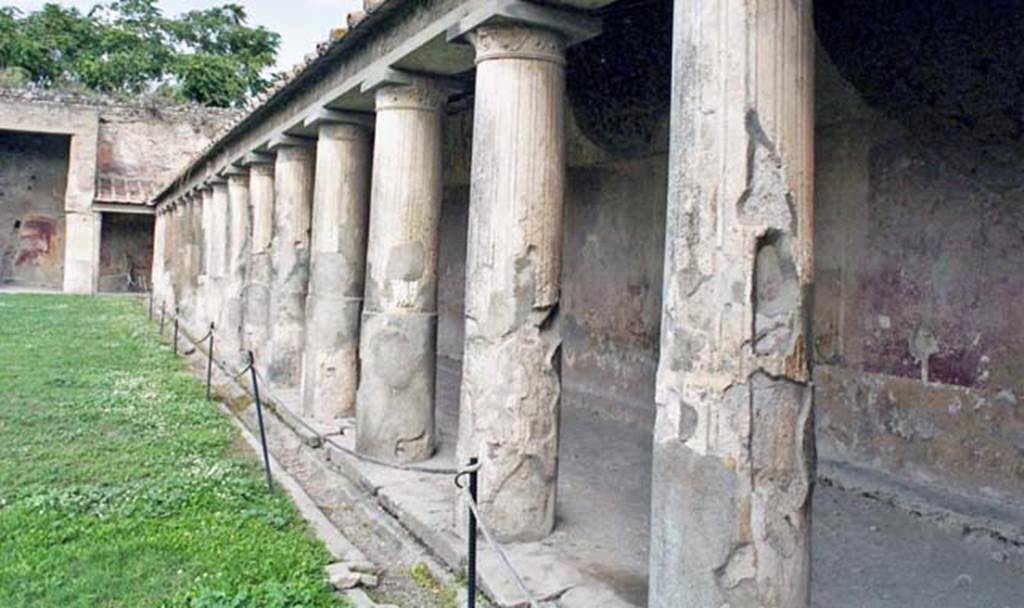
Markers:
point(496, 546)
point(468, 469)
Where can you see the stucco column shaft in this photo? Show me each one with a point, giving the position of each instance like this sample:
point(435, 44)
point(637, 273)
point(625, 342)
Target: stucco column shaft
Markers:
point(156, 275)
point(218, 241)
point(183, 264)
point(257, 293)
point(237, 262)
point(341, 198)
point(395, 401)
point(733, 446)
point(195, 282)
point(511, 382)
point(293, 197)
point(206, 231)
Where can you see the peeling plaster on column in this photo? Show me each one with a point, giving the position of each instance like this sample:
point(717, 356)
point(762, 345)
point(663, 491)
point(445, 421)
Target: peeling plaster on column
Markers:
point(257, 294)
point(395, 400)
point(200, 313)
point(733, 452)
point(340, 208)
point(511, 383)
point(293, 198)
point(231, 330)
point(215, 268)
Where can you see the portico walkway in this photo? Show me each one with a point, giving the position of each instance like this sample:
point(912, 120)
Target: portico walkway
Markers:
point(866, 553)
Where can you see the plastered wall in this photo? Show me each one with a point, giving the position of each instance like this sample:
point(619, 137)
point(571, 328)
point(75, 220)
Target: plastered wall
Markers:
point(919, 322)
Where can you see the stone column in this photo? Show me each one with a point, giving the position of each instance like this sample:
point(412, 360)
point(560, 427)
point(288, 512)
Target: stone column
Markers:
point(196, 282)
point(395, 401)
point(167, 255)
point(341, 198)
point(257, 293)
point(733, 445)
point(202, 309)
point(156, 278)
point(182, 253)
point(218, 248)
point(231, 330)
point(511, 382)
point(293, 197)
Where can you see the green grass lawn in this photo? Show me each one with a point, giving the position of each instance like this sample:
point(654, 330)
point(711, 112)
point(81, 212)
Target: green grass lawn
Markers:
point(120, 485)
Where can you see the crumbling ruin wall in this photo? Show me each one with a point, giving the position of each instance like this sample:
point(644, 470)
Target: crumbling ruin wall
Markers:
point(33, 179)
point(919, 327)
point(140, 148)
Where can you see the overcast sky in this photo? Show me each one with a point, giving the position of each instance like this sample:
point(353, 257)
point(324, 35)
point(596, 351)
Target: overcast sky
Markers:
point(301, 23)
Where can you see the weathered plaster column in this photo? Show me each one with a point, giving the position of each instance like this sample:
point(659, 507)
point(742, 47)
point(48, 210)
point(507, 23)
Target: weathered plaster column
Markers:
point(179, 254)
point(185, 262)
point(218, 249)
point(395, 401)
point(257, 292)
point(195, 310)
point(511, 382)
point(231, 329)
point(293, 198)
point(157, 275)
point(341, 199)
point(733, 446)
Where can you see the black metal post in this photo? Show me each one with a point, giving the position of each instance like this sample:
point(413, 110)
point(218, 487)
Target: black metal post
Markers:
point(259, 419)
point(161, 319)
point(209, 363)
point(471, 539)
point(175, 330)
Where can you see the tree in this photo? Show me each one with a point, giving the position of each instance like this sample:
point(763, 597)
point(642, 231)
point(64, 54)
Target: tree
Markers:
point(129, 47)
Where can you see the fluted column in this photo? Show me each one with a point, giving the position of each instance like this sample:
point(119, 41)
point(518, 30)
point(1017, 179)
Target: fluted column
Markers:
point(203, 304)
point(293, 197)
point(169, 295)
point(195, 282)
point(733, 445)
point(218, 248)
point(395, 401)
point(341, 198)
point(511, 383)
point(231, 328)
point(181, 254)
point(257, 292)
point(156, 275)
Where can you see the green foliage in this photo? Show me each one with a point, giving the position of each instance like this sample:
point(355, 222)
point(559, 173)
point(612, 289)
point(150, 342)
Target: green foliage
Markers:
point(129, 47)
point(119, 483)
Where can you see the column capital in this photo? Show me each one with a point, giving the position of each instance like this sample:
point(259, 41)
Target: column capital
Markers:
point(572, 28)
point(289, 141)
point(409, 92)
point(509, 40)
point(326, 116)
point(255, 158)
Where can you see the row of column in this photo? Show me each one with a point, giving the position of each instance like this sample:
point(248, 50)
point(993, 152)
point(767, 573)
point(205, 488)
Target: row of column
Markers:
point(323, 261)
point(330, 275)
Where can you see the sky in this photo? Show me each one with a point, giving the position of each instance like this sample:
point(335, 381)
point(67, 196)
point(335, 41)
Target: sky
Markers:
point(301, 23)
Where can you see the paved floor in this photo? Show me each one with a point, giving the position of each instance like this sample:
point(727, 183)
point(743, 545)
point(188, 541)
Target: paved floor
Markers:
point(865, 553)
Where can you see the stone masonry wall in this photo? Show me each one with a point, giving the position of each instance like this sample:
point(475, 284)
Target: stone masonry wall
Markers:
point(33, 178)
